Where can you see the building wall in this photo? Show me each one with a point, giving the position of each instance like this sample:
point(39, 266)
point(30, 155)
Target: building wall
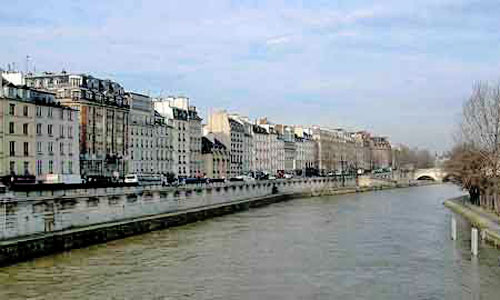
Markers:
point(103, 119)
point(261, 152)
point(277, 153)
point(325, 139)
point(236, 148)
point(13, 157)
point(57, 144)
point(196, 167)
point(142, 135)
point(186, 131)
point(305, 154)
point(163, 147)
point(381, 153)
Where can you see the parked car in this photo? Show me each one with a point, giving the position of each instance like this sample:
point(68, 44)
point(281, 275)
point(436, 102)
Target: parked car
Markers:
point(271, 177)
point(217, 180)
point(288, 176)
point(132, 179)
point(236, 179)
point(195, 180)
point(245, 178)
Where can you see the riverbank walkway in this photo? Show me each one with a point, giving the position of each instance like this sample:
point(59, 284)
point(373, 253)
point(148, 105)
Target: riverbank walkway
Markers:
point(486, 221)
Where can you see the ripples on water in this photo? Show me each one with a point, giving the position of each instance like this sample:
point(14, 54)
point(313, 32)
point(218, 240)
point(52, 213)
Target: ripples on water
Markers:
point(380, 245)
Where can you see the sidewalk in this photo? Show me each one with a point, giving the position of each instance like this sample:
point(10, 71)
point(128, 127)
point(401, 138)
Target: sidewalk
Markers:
point(487, 222)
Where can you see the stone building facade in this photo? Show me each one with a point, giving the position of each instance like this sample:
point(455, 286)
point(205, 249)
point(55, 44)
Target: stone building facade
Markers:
point(57, 151)
point(381, 153)
point(232, 133)
point(103, 118)
point(261, 150)
point(187, 133)
point(216, 158)
point(17, 132)
point(196, 168)
point(38, 136)
point(150, 139)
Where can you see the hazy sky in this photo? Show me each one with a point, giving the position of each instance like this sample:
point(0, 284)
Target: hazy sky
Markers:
point(397, 68)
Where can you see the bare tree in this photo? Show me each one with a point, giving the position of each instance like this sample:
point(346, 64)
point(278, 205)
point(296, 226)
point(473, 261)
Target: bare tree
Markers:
point(478, 151)
point(418, 158)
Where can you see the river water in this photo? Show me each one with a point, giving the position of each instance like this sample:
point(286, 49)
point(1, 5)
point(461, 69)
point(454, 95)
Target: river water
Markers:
point(391, 244)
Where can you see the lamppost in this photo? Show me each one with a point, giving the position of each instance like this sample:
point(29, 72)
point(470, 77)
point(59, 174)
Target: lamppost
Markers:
point(342, 169)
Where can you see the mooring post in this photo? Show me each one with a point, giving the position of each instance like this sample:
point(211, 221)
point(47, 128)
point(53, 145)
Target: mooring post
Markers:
point(453, 228)
point(474, 241)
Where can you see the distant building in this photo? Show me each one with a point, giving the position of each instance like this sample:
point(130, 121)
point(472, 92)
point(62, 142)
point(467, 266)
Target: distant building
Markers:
point(232, 133)
point(276, 146)
point(38, 137)
point(247, 145)
point(326, 147)
point(103, 119)
point(261, 150)
point(306, 151)
point(381, 152)
point(150, 139)
point(186, 122)
point(216, 157)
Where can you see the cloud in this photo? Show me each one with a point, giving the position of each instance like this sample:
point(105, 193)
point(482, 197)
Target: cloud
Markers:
point(399, 68)
point(278, 40)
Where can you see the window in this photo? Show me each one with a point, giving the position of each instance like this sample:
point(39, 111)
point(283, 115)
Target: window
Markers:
point(25, 128)
point(62, 113)
point(39, 167)
point(49, 129)
point(62, 167)
point(70, 167)
point(70, 148)
point(61, 147)
point(61, 130)
point(38, 111)
point(26, 168)
point(11, 127)
point(26, 149)
point(70, 115)
point(51, 167)
point(70, 131)
point(50, 147)
point(25, 110)
point(12, 108)
point(39, 129)
point(39, 147)
point(12, 147)
point(49, 112)
point(12, 167)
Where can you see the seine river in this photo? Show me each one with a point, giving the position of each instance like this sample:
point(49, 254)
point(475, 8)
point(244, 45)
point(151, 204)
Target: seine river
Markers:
point(380, 245)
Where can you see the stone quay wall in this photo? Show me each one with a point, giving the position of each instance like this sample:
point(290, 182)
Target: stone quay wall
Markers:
point(40, 224)
point(27, 214)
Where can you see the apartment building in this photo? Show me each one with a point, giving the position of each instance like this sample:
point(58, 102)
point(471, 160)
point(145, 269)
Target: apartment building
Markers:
point(17, 132)
point(176, 109)
point(261, 150)
point(141, 135)
point(232, 133)
point(216, 157)
point(103, 119)
point(38, 136)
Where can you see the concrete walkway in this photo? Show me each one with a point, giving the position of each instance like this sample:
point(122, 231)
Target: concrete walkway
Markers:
point(487, 222)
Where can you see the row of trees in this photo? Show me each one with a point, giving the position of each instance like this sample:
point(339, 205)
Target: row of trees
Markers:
point(475, 160)
point(415, 158)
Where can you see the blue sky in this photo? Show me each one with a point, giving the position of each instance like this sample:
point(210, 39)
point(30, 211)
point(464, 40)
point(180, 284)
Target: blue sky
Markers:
point(397, 68)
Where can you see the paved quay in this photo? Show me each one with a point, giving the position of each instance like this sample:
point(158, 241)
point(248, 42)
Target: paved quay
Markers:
point(486, 221)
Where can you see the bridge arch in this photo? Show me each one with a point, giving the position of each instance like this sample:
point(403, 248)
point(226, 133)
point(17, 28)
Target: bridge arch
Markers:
point(435, 174)
point(426, 177)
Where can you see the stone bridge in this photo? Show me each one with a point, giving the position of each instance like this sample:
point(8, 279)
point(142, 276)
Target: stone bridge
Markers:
point(436, 174)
